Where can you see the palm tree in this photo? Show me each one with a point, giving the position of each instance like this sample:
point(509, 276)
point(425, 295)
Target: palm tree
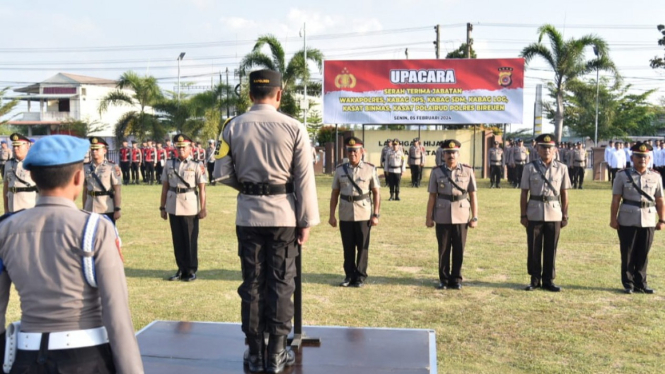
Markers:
point(7, 107)
point(567, 59)
point(293, 72)
point(146, 94)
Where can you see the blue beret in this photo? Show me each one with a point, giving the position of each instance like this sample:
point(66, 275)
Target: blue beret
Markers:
point(56, 150)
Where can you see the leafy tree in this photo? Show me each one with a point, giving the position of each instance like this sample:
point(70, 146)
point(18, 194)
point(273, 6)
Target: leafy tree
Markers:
point(294, 72)
point(7, 107)
point(146, 94)
point(327, 133)
point(81, 128)
point(461, 52)
point(658, 62)
point(567, 59)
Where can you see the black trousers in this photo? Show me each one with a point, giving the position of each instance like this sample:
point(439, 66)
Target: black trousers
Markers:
point(135, 172)
point(578, 176)
point(355, 240)
point(143, 175)
point(511, 175)
point(415, 174)
point(159, 169)
point(124, 166)
point(185, 234)
point(2, 170)
point(393, 182)
point(495, 174)
point(451, 238)
point(518, 173)
point(542, 241)
point(96, 359)
point(150, 172)
point(635, 244)
point(613, 174)
point(267, 256)
point(211, 169)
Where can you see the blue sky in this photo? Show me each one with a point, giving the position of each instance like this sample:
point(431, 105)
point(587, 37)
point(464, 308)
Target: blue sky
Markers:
point(104, 38)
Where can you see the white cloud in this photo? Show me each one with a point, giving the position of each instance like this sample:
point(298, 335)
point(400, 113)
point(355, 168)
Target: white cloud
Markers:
point(235, 23)
point(202, 4)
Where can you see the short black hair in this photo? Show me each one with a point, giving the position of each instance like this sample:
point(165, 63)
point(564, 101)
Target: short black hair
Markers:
point(263, 92)
point(52, 177)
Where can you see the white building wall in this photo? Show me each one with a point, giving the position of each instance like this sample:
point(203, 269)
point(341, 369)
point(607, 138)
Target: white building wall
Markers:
point(90, 109)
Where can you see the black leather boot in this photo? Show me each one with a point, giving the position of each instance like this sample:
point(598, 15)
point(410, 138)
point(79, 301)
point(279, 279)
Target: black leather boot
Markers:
point(253, 356)
point(278, 355)
point(396, 196)
point(391, 197)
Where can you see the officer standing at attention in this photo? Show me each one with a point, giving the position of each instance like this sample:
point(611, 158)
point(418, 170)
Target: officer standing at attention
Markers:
point(5, 155)
point(386, 147)
point(210, 159)
point(544, 212)
point(579, 163)
point(520, 156)
point(103, 185)
point(497, 163)
point(125, 161)
point(637, 200)
point(394, 163)
point(185, 205)
point(353, 184)
point(510, 168)
point(438, 155)
point(452, 194)
point(19, 190)
point(68, 271)
point(150, 159)
point(609, 153)
point(416, 162)
point(137, 159)
point(160, 162)
point(266, 156)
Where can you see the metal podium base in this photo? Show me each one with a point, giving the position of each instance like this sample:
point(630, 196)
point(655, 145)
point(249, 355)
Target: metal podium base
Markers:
point(170, 347)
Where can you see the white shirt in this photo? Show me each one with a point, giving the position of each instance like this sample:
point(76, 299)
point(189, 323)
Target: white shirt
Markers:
point(608, 153)
point(619, 159)
point(611, 159)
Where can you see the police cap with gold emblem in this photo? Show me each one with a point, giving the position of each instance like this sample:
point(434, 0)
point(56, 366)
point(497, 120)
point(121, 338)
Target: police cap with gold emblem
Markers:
point(97, 142)
point(265, 78)
point(546, 140)
point(451, 145)
point(18, 139)
point(353, 143)
point(56, 150)
point(182, 140)
point(641, 148)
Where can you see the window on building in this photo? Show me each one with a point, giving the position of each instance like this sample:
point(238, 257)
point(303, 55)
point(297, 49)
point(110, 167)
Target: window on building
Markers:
point(63, 105)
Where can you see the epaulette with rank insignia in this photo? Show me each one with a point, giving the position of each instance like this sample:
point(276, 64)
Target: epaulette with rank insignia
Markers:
point(110, 161)
point(370, 164)
point(468, 166)
point(655, 171)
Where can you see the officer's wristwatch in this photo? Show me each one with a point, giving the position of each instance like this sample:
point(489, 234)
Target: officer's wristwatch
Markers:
point(376, 215)
point(162, 208)
point(474, 219)
point(116, 209)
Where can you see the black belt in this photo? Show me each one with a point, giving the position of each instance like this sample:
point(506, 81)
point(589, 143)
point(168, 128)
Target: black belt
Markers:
point(181, 190)
point(495, 163)
point(640, 204)
point(452, 197)
point(543, 198)
point(579, 162)
point(520, 162)
point(100, 193)
point(351, 198)
point(260, 189)
point(415, 158)
point(23, 189)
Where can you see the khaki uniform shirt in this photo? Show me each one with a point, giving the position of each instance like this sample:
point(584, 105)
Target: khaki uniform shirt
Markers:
point(110, 175)
point(192, 172)
point(416, 155)
point(41, 251)
point(394, 162)
point(533, 153)
point(19, 200)
point(651, 183)
point(438, 156)
point(520, 155)
point(496, 156)
point(5, 155)
point(364, 175)
point(265, 146)
point(557, 174)
point(446, 211)
point(508, 154)
point(579, 157)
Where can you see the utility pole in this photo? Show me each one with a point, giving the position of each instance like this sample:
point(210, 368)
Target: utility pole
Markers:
point(221, 112)
point(228, 110)
point(437, 42)
point(306, 103)
point(469, 41)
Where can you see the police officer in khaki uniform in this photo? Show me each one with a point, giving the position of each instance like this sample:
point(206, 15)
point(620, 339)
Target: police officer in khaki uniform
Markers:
point(5, 155)
point(416, 162)
point(438, 155)
point(357, 186)
point(452, 194)
point(520, 155)
point(544, 212)
point(184, 201)
point(579, 163)
point(19, 190)
point(384, 151)
point(394, 164)
point(103, 182)
point(67, 268)
point(510, 167)
point(637, 200)
point(497, 162)
point(266, 156)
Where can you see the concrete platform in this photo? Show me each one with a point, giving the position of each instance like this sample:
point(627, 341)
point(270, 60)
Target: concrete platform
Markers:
point(170, 347)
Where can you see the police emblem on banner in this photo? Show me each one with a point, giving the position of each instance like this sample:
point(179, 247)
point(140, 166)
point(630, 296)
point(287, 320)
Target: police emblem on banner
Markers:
point(505, 76)
point(345, 79)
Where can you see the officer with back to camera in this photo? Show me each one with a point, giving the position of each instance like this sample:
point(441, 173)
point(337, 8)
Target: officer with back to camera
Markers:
point(267, 157)
point(67, 268)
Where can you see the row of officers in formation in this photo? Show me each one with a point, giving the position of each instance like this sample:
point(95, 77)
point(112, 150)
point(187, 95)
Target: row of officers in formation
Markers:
point(74, 301)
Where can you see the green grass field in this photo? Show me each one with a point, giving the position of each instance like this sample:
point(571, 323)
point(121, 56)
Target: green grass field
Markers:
point(490, 326)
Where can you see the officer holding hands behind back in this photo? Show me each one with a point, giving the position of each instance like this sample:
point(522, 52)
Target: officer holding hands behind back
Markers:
point(67, 269)
point(354, 183)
